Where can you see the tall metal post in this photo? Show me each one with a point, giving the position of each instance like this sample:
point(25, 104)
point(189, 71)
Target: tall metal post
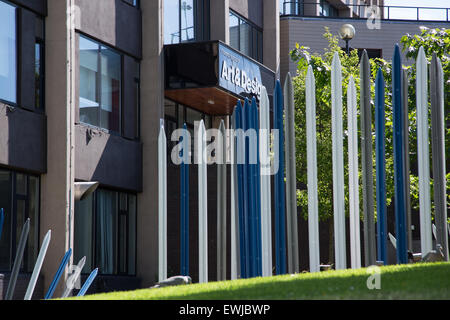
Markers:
point(222, 206)
point(380, 167)
point(266, 210)
point(311, 145)
point(338, 163)
point(291, 178)
point(366, 161)
point(355, 246)
point(399, 173)
point(423, 153)
point(202, 204)
point(406, 159)
point(280, 228)
point(184, 206)
point(438, 152)
point(162, 204)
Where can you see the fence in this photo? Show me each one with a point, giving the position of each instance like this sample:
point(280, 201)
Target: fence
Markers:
point(250, 207)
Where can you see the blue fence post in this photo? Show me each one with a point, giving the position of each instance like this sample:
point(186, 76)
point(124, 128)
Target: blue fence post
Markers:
point(184, 210)
point(280, 228)
point(380, 167)
point(399, 174)
point(250, 188)
point(58, 274)
point(242, 190)
point(88, 283)
point(257, 176)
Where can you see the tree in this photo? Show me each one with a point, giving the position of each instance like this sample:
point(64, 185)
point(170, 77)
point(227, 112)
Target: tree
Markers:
point(439, 41)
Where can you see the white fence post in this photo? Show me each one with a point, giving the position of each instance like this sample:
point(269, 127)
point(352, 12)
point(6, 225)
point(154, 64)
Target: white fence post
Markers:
point(311, 145)
point(355, 246)
point(338, 164)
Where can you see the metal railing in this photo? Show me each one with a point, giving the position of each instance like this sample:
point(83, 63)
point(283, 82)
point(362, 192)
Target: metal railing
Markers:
point(363, 11)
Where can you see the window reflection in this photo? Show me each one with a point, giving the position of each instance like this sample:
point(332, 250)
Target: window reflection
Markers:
point(100, 74)
point(8, 63)
point(186, 20)
point(245, 37)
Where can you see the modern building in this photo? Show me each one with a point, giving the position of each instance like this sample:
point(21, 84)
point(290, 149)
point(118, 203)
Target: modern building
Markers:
point(83, 88)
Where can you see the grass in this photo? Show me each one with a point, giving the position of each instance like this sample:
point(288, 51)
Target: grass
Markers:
point(411, 281)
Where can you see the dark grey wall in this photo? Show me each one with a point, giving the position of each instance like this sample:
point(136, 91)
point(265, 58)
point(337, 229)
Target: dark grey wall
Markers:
point(38, 6)
point(111, 160)
point(23, 139)
point(114, 22)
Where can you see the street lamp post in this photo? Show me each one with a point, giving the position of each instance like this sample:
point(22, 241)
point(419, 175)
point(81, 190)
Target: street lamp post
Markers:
point(347, 32)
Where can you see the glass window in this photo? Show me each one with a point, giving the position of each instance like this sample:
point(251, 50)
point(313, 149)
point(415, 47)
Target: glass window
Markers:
point(8, 54)
point(83, 232)
point(186, 20)
point(171, 21)
point(105, 232)
point(245, 37)
point(234, 31)
point(110, 89)
point(100, 83)
point(38, 72)
point(19, 197)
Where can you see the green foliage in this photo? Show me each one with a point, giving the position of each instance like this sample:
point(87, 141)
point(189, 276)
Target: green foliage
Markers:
point(350, 67)
point(433, 41)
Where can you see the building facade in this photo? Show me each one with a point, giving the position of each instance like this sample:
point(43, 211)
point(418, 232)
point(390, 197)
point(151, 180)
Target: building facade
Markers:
point(304, 22)
point(83, 92)
point(84, 88)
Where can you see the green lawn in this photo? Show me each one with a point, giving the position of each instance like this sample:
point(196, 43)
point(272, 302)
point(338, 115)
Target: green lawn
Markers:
point(413, 281)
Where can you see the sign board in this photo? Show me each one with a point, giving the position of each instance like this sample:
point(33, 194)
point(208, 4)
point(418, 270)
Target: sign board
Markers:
point(239, 74)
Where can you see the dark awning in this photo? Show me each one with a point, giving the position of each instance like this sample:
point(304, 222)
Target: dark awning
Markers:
point(212, 77)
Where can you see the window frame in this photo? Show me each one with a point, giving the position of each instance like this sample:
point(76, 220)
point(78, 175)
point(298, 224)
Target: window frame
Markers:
point(201, 22)
point(98, 90)
point(15, 197)
point(94, 236)
point(17, 30)
point(256, 49)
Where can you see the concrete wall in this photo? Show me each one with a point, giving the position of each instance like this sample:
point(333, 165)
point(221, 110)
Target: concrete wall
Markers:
point(152, 110)
point(57, 200)
point(219, 20)
point(98, 154)
point(23, 139)
point(113, 22)
point(308, 32)
point(250, 9)
point(271, 36)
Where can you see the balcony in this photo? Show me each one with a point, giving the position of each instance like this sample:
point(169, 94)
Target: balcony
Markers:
point(336, 9)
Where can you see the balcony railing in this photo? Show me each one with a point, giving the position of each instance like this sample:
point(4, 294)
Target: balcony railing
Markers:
point(362, 11)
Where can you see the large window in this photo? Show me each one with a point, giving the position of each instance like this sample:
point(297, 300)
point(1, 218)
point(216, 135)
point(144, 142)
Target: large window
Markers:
point(105, 232)
point(19, 197)
point(8, 54)
point(100, 85)
point(186, 20)
point(246, 37)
